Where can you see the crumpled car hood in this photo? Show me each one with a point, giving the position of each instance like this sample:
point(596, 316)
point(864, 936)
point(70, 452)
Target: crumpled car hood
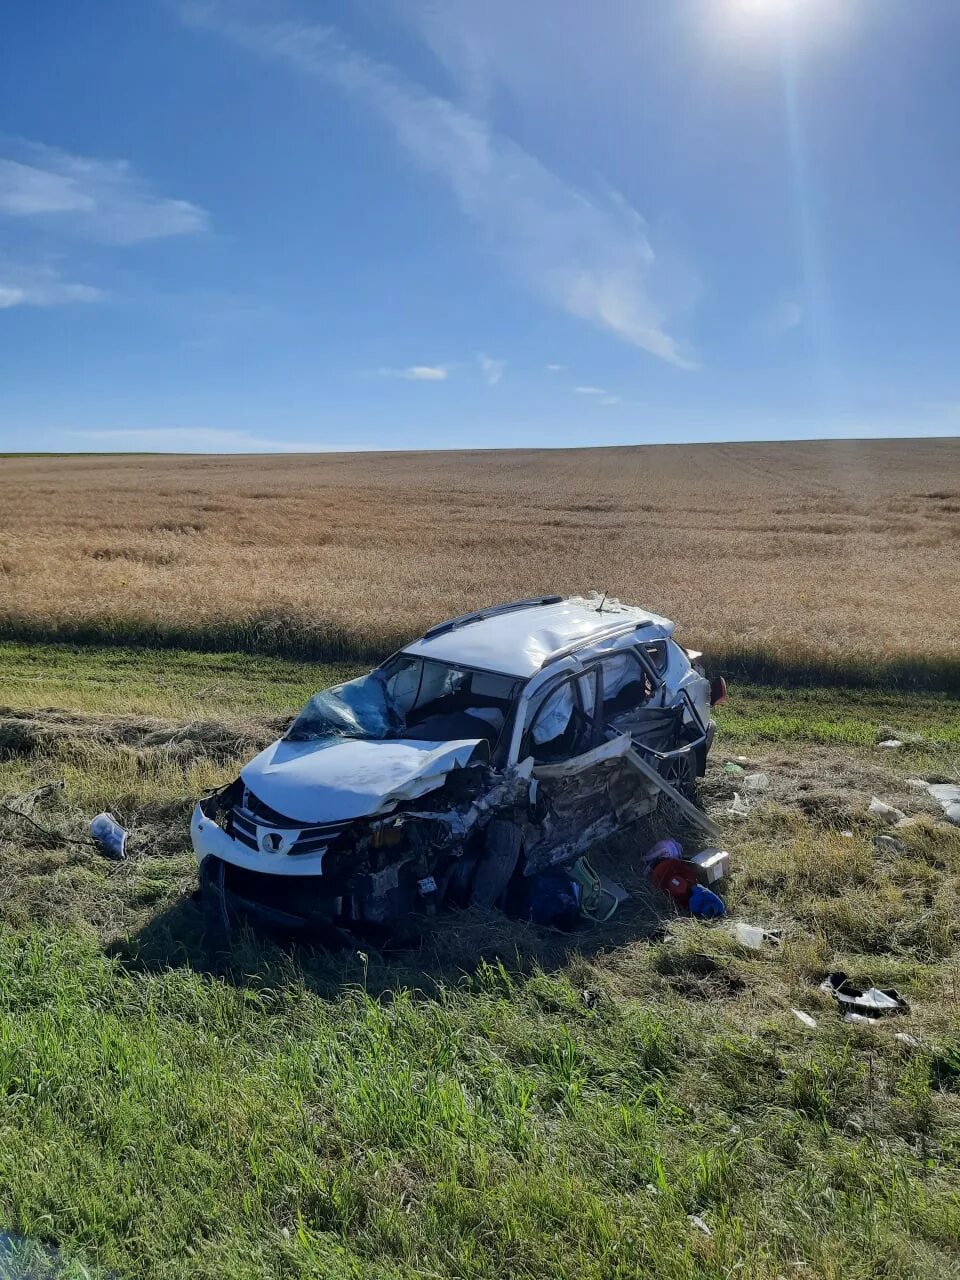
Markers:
point(335, 781)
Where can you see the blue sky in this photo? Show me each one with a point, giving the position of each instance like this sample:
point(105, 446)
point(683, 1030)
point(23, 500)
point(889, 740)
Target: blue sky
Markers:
point(234, 225)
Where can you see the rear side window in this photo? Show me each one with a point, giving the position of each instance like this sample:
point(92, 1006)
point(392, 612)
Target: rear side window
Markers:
point(624, 684)
point(656, 652)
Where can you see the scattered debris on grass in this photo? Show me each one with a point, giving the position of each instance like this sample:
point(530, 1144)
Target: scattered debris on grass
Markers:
point(755, 938)
point(704, 902)
point(805, 1018)
point(858, 1003)
point(109, 837)
point(739, 808)
point(947, 795)
point(712, 865)
point(756, 781)
point(887, 812)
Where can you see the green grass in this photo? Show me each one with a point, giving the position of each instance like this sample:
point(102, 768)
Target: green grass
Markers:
point(274, 635)
point(163, 682)
point(505, 1102)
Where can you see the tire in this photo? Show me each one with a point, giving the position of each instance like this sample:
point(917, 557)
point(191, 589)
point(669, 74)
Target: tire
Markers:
point(216, 920)
point(496, 864)
point(681, 773)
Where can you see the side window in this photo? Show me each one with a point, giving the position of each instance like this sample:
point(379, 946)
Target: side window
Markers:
point(656, 651)
point(625, 684)
point(559, 729)
point(404, 685)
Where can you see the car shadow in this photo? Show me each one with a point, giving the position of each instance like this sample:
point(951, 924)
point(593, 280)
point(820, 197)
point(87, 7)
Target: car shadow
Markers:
point(439, 951)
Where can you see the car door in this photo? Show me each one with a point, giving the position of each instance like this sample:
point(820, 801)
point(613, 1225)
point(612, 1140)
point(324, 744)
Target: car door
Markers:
point(633, 700)
point(579, 784)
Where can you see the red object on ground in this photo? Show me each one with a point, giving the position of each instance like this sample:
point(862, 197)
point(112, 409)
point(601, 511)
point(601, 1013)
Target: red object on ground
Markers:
point(675, 877)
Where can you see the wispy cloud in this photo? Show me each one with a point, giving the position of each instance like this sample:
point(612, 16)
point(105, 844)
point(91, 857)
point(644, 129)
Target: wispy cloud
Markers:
point(588, 254)
point(590, 391)
point(417, 373)
point(491, 369)
point(556, 368)
point(102, 200)
point(196, 440)
point(787, 315)
point(40, 286)
point(610, 400)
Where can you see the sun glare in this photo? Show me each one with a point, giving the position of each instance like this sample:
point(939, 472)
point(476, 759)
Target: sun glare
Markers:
point(758, 22)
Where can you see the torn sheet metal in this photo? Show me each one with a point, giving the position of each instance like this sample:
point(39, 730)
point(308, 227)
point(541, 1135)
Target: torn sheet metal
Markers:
point(867, 1003)
point(686, 807)
point(314, 782)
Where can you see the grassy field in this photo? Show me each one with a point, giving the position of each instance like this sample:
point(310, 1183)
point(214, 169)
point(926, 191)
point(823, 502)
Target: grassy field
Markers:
point(503, 1101)
point(833, 559)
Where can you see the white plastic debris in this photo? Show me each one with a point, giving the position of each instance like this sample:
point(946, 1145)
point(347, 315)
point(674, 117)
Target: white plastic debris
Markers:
point(109, 837)
point(753, 936)
point(739, 808)
point(906, 1038)
point(891, 744)
point(748, 935)
point(756, 781)
point(880, 809)
point(916, 784)
point(805, 1018)
point(699, 1223)
point(947, 795)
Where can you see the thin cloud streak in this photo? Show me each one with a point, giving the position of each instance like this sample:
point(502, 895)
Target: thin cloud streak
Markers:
point(101, 200)
point(588, 255)
point(417, 373)
point(590, 391)
point(40, 286)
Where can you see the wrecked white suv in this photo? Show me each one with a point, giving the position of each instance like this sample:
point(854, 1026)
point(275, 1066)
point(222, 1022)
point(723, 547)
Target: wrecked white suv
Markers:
point(501, 744)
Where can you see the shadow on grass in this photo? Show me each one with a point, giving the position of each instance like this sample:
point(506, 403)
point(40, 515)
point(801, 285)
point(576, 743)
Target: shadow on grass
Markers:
point(437, 951)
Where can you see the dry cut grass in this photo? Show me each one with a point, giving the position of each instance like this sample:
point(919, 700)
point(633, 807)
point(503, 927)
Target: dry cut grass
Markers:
point(834, 553)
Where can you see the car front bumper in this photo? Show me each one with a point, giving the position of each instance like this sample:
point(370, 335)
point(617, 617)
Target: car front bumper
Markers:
point(208, 837)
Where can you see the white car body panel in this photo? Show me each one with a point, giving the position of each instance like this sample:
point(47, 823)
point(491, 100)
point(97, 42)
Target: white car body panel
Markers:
point(313, 782)
point(518, 643)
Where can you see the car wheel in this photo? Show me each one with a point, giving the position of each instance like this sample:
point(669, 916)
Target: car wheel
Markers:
point(497, 863)
point(216, 919)
point(681, 772)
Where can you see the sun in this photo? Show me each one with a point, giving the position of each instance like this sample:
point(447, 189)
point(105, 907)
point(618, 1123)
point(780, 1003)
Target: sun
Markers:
point(800, 20)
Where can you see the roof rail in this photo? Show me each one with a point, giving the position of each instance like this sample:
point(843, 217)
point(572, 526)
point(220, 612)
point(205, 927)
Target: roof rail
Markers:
point(611, 632)
point(480, 614)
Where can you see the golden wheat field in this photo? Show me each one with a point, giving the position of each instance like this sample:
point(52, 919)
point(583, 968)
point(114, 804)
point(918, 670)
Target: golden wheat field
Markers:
point(845, 550)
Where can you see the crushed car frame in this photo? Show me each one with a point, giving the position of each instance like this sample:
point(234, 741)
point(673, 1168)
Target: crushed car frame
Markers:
point(500, 744)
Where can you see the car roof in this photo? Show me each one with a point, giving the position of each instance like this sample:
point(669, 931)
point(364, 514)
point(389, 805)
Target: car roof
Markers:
point(517, 640)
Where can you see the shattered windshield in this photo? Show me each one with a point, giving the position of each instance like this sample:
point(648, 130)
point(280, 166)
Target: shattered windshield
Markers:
point(358, 709)
point(411, 697)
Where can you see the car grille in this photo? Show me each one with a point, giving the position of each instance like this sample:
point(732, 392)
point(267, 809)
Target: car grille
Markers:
point(244, 824)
